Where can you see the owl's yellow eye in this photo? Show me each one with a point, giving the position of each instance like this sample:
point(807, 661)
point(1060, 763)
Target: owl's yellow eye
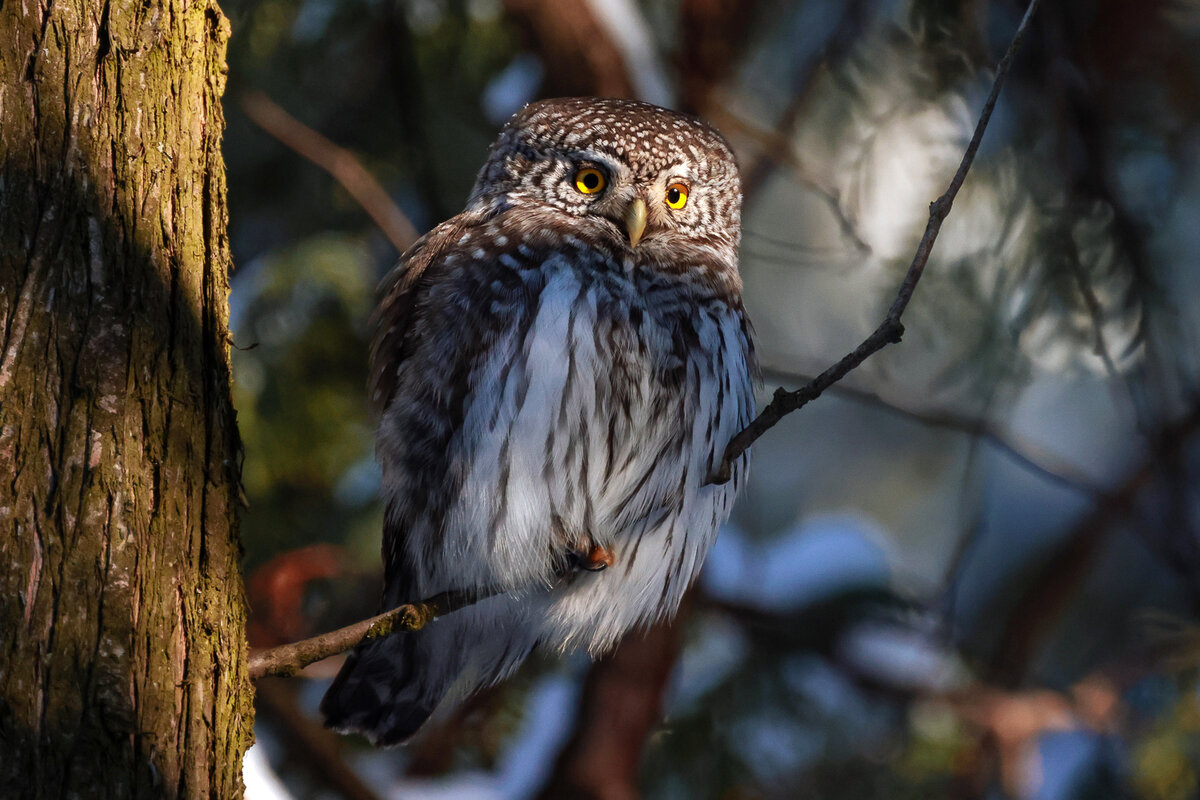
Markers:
point(677, 195)
point(589, 180)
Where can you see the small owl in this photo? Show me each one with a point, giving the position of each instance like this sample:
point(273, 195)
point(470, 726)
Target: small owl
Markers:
point(556, 372)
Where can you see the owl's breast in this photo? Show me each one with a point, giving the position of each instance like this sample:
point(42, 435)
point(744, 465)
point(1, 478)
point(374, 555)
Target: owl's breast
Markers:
point(591, 403)
point(657, 380)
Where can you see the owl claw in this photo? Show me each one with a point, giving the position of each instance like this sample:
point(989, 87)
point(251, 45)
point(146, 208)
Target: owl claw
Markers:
point(600, 558)
point(595, 560)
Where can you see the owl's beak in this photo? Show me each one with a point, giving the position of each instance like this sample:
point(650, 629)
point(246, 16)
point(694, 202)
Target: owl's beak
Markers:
point(635, 220)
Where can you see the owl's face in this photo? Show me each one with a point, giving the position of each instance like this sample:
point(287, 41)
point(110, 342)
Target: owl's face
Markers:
point(639, 176)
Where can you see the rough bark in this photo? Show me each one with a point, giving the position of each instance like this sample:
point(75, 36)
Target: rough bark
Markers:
point(122, 651)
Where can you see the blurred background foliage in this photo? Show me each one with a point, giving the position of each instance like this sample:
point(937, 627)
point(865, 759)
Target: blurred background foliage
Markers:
point(971, 570)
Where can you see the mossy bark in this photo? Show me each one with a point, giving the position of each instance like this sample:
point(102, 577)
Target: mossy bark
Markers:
point(122, 649)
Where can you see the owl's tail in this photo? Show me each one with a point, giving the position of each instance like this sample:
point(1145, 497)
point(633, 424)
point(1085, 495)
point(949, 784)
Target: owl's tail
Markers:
point(383, 691)
point(388, 688)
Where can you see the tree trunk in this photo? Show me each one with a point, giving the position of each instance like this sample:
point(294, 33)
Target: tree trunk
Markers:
point(122, 650)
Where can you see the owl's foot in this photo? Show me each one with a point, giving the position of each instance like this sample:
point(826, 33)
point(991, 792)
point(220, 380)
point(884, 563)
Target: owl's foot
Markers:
point(593, 560)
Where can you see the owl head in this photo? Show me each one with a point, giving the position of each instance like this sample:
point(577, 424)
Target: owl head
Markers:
point(635, 175)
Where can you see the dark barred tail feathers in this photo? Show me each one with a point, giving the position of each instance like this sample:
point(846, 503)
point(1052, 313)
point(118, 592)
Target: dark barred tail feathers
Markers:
point(389, 688)
point(381, 690)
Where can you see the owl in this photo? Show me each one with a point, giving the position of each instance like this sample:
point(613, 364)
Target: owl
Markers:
point(556, 372)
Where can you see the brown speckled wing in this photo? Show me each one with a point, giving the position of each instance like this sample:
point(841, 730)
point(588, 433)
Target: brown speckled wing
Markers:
point(399, 294)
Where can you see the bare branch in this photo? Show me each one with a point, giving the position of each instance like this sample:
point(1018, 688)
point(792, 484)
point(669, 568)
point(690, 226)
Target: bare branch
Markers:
point(289, 659)
point(890, 330)
point(337, 161)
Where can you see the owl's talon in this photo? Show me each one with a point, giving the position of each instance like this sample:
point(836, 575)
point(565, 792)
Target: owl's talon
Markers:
point(597, 559)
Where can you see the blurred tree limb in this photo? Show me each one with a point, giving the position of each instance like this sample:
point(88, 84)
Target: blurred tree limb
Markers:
point(320, 748)
point(712, 36)
point(580, 56)
point(1036, 459)
point(776, 145)
point(622, 702)
point(339, 162)
point(890, 330)
point(1059, 579)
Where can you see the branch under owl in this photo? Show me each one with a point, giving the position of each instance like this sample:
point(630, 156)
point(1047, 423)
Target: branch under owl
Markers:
point(289, 659)
point(891, 329)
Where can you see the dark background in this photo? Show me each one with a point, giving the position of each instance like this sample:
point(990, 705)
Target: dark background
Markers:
point(971, 571)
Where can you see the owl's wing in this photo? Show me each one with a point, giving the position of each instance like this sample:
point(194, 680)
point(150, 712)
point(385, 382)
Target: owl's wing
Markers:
point(387, 687)
point(400, 293)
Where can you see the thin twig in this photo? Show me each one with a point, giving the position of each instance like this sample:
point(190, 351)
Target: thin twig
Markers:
point(288, 659)
point(890, 330)
point(337, 161)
